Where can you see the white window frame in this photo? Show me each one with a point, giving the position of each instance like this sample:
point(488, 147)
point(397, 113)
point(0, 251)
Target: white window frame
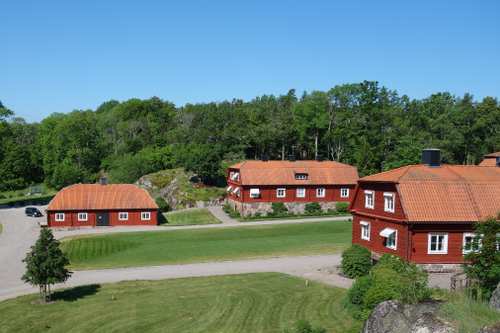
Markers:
point(365, 226)
point(395, 246)
point(344, 192)
point(253, 195)
point(145, 216)
point(281, 189)
point(83, 217)
point(465, 236)
point(300, 192)
point(124, 217)
point(301, 176)
point(386, 202)
point(372, 194)
point(60, 217)
point(445, 243)
point(320, 192)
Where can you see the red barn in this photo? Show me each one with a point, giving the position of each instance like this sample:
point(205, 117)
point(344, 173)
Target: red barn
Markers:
point(424, 213)
point(254, 185)
point(102, 205)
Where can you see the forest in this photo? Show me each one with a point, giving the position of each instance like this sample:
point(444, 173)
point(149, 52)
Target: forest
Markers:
point(363, 124)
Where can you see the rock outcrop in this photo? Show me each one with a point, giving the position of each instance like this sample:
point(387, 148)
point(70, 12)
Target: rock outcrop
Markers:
point(491, 329)
point(394, 317)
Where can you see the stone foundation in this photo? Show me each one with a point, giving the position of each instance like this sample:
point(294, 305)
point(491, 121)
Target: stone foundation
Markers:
point(430, 268)
point(263, 208)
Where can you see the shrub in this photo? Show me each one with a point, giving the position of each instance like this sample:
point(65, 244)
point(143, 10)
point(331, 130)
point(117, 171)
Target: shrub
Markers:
point(162, 204)
point(303, 326)
point(229, 210)
point(342, 207)
point(386, 285)
point(356, 261)
point(392, 262)
point(357, 292)
point(313, 208)
point(278, 208)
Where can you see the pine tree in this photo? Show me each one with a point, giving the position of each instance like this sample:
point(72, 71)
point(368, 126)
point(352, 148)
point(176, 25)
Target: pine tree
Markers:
point(46, 264)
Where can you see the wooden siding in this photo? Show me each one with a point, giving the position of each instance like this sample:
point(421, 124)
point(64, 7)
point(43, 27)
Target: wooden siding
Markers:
point(358, 204)
point(71, 218)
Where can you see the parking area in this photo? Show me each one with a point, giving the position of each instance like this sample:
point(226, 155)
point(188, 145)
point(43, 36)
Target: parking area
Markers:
point(19, 233)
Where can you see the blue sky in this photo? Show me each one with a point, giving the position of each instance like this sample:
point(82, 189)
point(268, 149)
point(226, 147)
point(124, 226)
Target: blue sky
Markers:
point(56, 56)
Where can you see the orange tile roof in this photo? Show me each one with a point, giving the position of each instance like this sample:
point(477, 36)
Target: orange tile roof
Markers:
point(490, 159)
point(449, 193)
point(283, 173)
point(97, 197)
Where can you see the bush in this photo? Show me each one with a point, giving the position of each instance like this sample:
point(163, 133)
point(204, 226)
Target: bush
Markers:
point(356, 261)
point(279, 209)
point(303, 326)
point(342, 207)
point(386, 285)
point(162, 204)
point(313, 208)
point(229, 210)
point(357, 292)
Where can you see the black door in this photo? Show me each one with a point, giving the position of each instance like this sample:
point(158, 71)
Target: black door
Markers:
point(102, 218)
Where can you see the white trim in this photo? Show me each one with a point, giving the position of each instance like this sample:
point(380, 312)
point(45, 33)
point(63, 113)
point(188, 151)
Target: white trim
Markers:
point(364, 224)
point(124, 217)
point(254, 193)
point(300, 192)
point(278, 190)
point(145, 216)
point(318, 194)
point(387, 234)
point(445, 243)
point(386, 206)
point(60, 217)
point(82, 217)
point(344, 192)
point(372, 194)
point(229, 188)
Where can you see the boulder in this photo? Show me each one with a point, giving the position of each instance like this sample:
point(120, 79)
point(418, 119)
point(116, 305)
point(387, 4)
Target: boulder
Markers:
point(491, 329)
point(495, 298)
point(395, 317)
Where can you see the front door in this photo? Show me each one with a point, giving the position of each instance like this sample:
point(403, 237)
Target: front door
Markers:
point(102, 219)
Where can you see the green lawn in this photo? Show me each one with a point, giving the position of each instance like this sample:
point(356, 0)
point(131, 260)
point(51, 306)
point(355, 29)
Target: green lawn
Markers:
point(187, 246)
point(265, 302)
point(190, 217)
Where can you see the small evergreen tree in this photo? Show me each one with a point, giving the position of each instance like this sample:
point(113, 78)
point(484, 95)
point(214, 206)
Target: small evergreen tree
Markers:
point(46, 264)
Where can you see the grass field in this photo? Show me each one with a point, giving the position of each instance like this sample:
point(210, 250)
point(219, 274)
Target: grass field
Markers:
point(185, 246)
point(267, 302)
point(190, 217)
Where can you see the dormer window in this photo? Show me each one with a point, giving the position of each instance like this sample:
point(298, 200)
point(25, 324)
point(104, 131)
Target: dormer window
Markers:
point(301, 176)
point(234, 176)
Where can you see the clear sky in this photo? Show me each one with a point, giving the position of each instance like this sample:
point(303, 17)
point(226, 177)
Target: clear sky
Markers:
point(56, 56)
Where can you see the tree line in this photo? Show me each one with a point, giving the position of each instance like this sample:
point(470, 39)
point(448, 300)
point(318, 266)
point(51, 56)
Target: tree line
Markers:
point(363, 124)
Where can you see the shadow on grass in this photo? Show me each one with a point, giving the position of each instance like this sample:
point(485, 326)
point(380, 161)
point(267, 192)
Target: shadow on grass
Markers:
point(76, 293)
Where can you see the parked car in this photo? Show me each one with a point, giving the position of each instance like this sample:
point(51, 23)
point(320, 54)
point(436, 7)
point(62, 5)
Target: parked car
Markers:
point(33, 212)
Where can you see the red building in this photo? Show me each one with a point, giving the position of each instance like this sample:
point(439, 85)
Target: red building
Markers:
point(102, 205)
point(254, 185)
point(424, 213)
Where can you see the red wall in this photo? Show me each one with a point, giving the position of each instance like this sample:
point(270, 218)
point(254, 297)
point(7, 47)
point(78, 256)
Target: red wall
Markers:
point(358, 204)
point(71, 218)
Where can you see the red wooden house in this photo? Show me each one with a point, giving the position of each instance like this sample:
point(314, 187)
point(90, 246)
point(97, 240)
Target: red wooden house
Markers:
point(254, 185)
point(424, 213)
point(102, 205)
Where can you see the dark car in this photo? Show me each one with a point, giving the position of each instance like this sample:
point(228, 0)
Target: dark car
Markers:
point(32, 211)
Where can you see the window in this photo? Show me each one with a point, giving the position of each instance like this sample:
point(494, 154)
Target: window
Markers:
point(254, 193)
point(123, 216)
point(145, 216)
point(389, 202)
point(83, 217)
point(320, 192)
point(365, 230)
point(280, 192)
point(301, 176)
point(301, 192)
point(60, 217)
point(391, 238)
point(437, 244)
point(369, 199)
point(344, 192)
point(469, 243)
point(237, 192)
point(234, 176)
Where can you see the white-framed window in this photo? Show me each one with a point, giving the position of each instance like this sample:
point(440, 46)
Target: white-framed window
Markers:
point(437, 243)
point(301, 192)
point(391, 241)
point(123, 216)
point(320, 192)
point(389, 202)
point(83, 217)
point(365, 230)
point(498, 242)
point(235, 176)
point(145, 216)
point(469, 244)
point(60, 217)
point(344, 192)
point(281, 192)
point(301, 176)
point(254, 193)
point(369, 199)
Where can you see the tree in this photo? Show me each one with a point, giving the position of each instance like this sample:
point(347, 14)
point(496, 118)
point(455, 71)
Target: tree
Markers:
point(46, 264)
point(484, 261)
